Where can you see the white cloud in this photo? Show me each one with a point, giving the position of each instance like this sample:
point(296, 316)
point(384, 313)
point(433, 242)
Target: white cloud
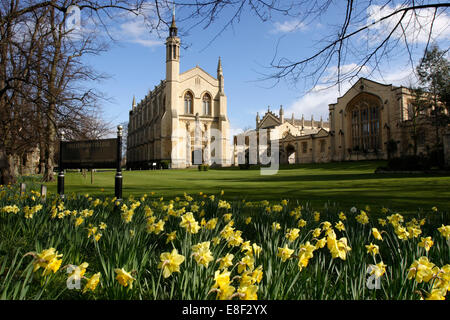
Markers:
point(136, 30)
point(317, 100)
point(416, 24)
point(288, 26)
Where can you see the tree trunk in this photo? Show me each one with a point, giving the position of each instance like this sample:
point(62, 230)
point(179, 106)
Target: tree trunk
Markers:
point(41, 157)
point(9, 172)
point(50, 154)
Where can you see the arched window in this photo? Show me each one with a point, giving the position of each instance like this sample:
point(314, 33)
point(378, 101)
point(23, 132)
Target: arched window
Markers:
point(207, 105)
point(365, 123)
point(188, 103)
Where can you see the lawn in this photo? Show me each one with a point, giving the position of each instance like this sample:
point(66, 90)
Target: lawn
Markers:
point(344, 184)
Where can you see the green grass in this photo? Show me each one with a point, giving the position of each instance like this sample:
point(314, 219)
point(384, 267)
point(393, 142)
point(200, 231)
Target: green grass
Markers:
point(344, 184)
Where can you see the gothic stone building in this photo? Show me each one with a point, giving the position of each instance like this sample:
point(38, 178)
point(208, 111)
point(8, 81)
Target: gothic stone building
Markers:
point(183, 119)
point(370, 121)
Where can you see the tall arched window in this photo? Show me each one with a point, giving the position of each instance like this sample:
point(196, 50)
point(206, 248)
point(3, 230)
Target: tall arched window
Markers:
point(188, 103)
point(365, 122)
point(207, 105)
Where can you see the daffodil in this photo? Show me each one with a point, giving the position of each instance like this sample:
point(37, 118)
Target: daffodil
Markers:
point(223, 204)
point(372, 249)
point(47, 259)
point(78, 271)
point(235, 238)
point(316, 216)
point(188, 222)
point(326, 225)
point(376, 234)
point(340, 226)
point(401, 232)
point(256, 249)
point(211, 224)
point(226, 261)
point(321, 243)
point(79, 221)
point(306, 253)
point(124, 278)
point(285, 253)
point(436, 294)
point(92, 282)
point(277, 208)
point(445, 231)
point(222, 285)
point(378, 269)
point(342, 216)
point(246, 246)
point(301, 223)
point(171, 236)
point(422, 270)
point(338, 248)
point(202, 254)
point(426, 243)
point(276, 226)
point(248, 292)
point(170, 262)
point(292, 234)
point(362, 218)
point(159, 227)
point(316, 232)
point(247, 262)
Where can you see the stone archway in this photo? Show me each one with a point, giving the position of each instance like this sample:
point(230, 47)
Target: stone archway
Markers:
point(291, 153)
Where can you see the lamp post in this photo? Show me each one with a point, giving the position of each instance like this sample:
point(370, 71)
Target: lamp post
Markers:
point(119, 178)
point(60, 167)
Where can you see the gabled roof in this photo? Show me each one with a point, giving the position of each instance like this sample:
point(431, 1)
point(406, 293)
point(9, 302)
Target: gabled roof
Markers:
point(199, 71)
point(322, 133)
point(269, 120)
point(361, 82)
point(289, 137)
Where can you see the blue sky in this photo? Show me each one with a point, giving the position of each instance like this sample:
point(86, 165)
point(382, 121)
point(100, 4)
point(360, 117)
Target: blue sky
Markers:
point(136, 63)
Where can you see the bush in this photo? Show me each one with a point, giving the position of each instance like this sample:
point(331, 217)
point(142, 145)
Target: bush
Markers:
point(244, 166)
point(165, 164)
point(203, 167)
point(409, 163)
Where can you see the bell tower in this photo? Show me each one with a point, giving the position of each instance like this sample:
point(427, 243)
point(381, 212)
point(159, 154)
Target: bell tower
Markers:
point(172, 53)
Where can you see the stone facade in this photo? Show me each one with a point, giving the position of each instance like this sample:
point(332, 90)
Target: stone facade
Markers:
point(183, 120)
point(370, 121)
point(300, 140)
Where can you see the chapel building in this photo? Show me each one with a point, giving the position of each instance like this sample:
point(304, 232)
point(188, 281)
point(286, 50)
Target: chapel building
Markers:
point(183, 121)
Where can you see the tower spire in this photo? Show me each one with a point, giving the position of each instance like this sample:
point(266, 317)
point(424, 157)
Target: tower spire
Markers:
point(281, 114)
point(219, 66)
point(133, 104)
point(173, 30)
point(220, 75)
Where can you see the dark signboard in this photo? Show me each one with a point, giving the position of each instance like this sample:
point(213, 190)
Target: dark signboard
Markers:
point(89, 154)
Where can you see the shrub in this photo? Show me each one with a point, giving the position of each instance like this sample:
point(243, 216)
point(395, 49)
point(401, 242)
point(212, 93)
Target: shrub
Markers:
point(165, 164)
point(409, 163)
